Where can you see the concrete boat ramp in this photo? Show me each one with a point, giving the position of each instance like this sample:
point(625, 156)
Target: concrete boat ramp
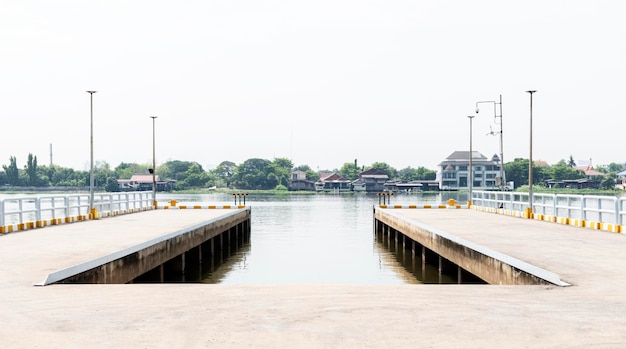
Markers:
point(591, 312)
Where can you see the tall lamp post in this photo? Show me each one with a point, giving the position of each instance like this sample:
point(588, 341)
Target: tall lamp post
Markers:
point(529, 213)
point(91, 208)
point(471, 168)
point(154, 200)
point(495, 120)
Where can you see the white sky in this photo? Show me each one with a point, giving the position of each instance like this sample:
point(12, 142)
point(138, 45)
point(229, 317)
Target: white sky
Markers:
point(319, 82)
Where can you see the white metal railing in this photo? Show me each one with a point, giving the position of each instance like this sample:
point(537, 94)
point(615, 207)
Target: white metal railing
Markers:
point(598, 208)
point(23, 209)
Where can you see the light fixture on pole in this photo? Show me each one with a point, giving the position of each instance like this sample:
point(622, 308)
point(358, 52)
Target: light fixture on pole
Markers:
point(471, 167)
point(529, 210)
point(153, 170)
point(91, 208)
point(495, 120)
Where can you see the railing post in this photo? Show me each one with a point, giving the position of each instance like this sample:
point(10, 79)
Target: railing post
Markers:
point(66, 205)
point(148, 198)
point(111, 201)
point(38, 209)
point(54, 208)
point(599, 210)
point(569, 205)
point(618, 216)
point(20, 207)
point(583, 213)
point(1, 213)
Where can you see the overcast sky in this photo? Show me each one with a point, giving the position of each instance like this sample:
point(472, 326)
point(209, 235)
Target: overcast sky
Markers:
point(319, 82)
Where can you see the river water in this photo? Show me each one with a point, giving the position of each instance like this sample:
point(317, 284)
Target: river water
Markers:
point(316, 239)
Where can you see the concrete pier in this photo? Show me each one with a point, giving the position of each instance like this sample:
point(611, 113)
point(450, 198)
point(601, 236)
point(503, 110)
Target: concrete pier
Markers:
point(589, 313)
point(489, 265)
point(120, 249)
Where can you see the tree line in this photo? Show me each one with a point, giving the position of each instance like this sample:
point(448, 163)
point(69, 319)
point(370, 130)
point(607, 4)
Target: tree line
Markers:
point(256, 173)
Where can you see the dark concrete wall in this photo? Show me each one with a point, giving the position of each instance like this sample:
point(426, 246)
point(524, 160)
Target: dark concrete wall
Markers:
point(125, 269)
point(487, 268)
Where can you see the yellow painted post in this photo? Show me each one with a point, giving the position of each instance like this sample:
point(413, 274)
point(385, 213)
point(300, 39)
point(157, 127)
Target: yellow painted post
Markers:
point(529, 213)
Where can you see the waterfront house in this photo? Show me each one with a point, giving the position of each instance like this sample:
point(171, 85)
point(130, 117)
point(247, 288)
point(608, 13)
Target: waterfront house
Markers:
point(453, 172)
point(332, 182)
point(411, 186)
point(590, 173)
point(299, 181)
point(593, 178)
point(372, 180)
point(144, 183)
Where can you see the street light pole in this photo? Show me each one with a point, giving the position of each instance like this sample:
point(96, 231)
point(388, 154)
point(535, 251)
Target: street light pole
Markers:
point(495, 120)
point(529, 212)
point(154, 200)
point(471, 168)
point(91, 208)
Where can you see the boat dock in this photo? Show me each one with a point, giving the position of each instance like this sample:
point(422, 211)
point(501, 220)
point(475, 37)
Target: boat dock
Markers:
point(590, 311)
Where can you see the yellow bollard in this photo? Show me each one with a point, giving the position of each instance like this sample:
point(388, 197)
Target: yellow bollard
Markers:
point(451, 202)
point(529, 213)
point(173, 203)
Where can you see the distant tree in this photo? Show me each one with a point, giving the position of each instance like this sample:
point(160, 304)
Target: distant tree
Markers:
point(571, 162)
point(616, 168)
point(407, 174)
point(68, 177)
point(177, 168)
point(111, 185)
point(425, 174)
point(180, 171)
point(253, 174)
point(194, 177)
point(608, 182)
point(384, 167)
point(517, 171)
point(46, 173)
point(310, 174)
point(563, 172)
point(101, 174)
point(281, 187)
point(281, 168)
point(126, 170)
point(349, 171)
point(416, 174)
point(12, 172)
point(31, 169)
point(224, 172)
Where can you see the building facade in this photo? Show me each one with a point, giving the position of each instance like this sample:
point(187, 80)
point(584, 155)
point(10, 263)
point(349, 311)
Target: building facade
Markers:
point(299, 181)
point(372, 180)
point(453, 172)
point(332, 182)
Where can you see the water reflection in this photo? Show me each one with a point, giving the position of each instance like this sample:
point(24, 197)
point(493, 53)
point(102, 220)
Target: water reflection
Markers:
point(315, 239)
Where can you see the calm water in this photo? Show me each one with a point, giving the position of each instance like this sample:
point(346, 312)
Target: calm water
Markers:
point(314, 239)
